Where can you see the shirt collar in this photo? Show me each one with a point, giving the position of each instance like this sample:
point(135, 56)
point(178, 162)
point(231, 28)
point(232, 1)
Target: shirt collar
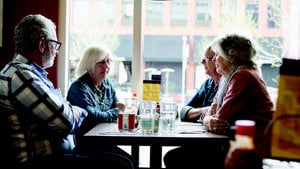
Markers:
point(35, 67)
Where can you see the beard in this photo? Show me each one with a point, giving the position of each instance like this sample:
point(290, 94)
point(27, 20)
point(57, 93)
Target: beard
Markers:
point(47, 61)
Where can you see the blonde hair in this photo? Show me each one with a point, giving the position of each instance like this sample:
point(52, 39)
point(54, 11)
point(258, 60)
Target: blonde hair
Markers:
point(91, 56)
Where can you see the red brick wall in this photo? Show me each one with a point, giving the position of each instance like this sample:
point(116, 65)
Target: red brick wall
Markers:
point(13, 11)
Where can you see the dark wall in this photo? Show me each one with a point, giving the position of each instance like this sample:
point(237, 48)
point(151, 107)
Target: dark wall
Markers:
point(13, 11)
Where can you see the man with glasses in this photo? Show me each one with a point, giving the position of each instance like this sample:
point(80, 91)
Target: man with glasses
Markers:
point(201, 101)
point(37, 124)
point(57, 44)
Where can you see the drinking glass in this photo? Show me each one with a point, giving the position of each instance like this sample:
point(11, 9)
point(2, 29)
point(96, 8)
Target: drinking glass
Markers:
point(131, 107)
point(168, 112)
point(147, 116)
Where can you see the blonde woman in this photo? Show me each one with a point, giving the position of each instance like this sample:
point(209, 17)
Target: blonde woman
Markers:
point(93, 90)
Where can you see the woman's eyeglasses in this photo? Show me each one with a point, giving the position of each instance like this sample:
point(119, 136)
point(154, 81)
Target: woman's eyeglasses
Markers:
point(103, 62)
point(57, 44)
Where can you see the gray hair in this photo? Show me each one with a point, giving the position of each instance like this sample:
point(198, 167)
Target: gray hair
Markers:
point(208, 49)
point(30, 29)
point(91, 56)
point(235, 46)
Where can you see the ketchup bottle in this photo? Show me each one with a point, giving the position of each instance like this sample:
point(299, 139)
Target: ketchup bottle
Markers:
point(242, 154)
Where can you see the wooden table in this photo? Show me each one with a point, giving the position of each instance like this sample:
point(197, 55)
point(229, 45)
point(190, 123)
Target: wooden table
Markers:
point(186, 134)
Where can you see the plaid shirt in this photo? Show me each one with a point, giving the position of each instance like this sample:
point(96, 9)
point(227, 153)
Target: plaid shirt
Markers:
point(36, 117)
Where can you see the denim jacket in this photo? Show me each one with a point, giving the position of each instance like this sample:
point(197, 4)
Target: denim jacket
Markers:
point(100, 103)
point(204, 97)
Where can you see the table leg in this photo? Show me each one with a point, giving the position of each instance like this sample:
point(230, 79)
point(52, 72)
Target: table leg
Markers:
point(155, 156)
point(135, 152)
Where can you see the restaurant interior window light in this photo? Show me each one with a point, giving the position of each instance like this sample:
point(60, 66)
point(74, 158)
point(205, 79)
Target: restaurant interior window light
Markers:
point(164, 25)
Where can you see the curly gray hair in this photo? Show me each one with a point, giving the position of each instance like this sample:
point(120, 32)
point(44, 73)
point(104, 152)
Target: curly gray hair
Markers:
point(235, 46)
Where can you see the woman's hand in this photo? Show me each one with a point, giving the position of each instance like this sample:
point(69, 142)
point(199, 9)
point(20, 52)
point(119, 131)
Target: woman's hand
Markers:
point(120, 106)
point(212, 109)
point(215, 125)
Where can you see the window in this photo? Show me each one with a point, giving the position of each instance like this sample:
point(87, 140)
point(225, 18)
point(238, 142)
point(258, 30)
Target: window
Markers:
point(154, 15)
point(274, 13)
point(228, 13)
point(252, 12)
point(80, 12)
point(179, 13)
point(127, 12)
point(105, 9)
point(203, 13)
point(176, 53)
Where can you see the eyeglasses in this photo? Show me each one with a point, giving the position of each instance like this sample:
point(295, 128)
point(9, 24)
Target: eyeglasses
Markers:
point(57, 44)
point(103, 62)
point(207, 58)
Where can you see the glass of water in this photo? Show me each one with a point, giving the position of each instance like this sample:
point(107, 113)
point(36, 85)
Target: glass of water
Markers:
point(147, 116)
point(168, 112)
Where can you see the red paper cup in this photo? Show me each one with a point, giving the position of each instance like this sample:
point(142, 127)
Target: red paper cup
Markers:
point(126, 121)
point(245, 127)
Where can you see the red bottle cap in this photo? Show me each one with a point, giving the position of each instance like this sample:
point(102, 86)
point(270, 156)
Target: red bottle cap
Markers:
point(245, 127)
point(134, 94)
